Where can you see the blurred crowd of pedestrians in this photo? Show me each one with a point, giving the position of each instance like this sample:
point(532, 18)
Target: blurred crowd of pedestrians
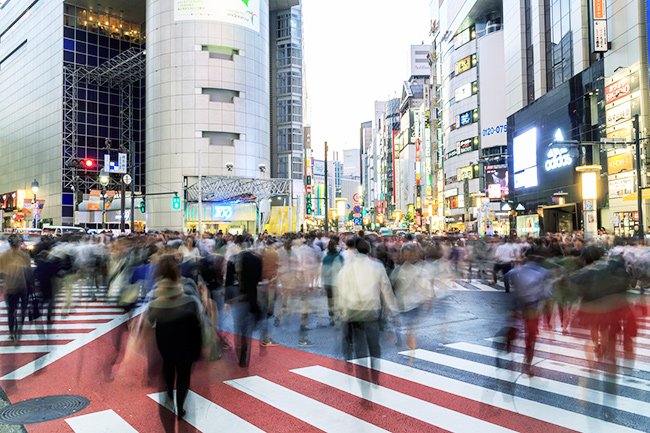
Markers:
point(193, 289)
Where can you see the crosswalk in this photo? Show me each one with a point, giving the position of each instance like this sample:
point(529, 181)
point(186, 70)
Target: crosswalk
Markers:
point(45, 343)
point(468, 387)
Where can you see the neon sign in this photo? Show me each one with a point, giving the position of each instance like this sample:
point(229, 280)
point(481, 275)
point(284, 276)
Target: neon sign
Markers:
point(557, 158)
point(222, 213)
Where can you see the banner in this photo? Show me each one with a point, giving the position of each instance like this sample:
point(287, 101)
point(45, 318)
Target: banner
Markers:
point(244, 13)
point(93, 200)
point(110, 195)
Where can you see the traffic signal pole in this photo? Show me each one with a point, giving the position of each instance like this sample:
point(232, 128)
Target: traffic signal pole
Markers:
point(327, 226)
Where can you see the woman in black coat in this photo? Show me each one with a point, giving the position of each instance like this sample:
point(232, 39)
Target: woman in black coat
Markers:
point(176, 318)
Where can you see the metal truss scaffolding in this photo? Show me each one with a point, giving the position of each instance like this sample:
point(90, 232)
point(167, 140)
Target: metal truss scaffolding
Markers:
point(122, 72)
point(237, 189)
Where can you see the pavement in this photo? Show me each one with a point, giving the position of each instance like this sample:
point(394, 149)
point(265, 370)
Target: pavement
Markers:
point(457, 380)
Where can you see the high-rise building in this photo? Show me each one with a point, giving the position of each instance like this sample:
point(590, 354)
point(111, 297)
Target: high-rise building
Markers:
point(181, 90)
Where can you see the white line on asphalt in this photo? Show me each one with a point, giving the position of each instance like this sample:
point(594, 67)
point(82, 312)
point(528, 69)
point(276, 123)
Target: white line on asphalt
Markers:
point(429, 413)
point(533, 409)
point(47, 337)
point(206, 416)
point(61, 351)
point(484, 287)
point(562, 351)
point(106, 421)
point(311, 411)
point(581, 342)
point(73, 317)
point(578, 392)
point(43, 326)
point(550, 364)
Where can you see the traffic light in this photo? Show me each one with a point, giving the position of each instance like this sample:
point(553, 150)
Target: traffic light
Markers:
point(142, 207)
point(176, 202)
point(83, 164)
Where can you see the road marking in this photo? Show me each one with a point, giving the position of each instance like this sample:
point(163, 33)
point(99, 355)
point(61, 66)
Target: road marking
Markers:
point(206, 416)
point(60, 351)
point(581, 342)
point(311, 411)
point(106, 421)
point(543, 384)
point(550, 364)
point(561, 351)
point(430, 413)
point(484, 287)
point(43, 326)
point(47, 337)
point(75, 317)
point(532, 409)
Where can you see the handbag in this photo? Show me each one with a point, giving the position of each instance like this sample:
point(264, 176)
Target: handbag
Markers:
point(33, 307)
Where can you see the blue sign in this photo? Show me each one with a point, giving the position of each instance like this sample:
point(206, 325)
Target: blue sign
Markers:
point(222, 213)
point(466, 118)
point(356, 221)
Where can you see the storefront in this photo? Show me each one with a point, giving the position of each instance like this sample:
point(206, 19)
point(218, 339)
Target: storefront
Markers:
point(229, 218)
point(544, 152)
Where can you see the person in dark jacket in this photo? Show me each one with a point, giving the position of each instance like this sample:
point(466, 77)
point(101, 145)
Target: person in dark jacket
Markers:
point(176, 317)
point(45, 273)
point(246, 311)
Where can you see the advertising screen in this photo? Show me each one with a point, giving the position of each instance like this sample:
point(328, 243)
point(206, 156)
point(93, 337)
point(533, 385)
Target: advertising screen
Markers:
point(461, 38)
point(528, 225)
point(524, 149)
point(496, 178)
point(241, 13)
point(464, 119)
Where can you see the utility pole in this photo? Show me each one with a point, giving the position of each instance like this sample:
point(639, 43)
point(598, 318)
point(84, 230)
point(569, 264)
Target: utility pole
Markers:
point(133, 187)
point(639, 186)
point(327, 226)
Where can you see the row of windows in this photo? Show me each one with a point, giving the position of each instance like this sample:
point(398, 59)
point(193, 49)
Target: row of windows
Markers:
point(103, 24)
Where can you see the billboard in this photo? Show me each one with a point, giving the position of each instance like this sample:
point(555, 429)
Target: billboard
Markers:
point(524, 150)
point(492, 83)
point(496, 179)
point(621, 162)
point(245, 13)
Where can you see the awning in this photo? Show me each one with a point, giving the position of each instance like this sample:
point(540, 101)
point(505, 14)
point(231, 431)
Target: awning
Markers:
point(573, 206)
point(633, 197)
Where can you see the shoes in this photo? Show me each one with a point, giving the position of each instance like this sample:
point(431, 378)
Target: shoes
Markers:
point(12, 337)
point(440, 347)
point(181, 413)
point(306, 343)
point(269, 343)
point(277, 321)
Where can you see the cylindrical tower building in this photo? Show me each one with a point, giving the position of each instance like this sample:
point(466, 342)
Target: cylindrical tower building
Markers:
point(207, 90)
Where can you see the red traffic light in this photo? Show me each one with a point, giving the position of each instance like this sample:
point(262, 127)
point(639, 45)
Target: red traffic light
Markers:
point(88, 163)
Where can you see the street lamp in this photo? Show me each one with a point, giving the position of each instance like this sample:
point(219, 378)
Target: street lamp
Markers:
point(34, 204)
point(103, 180)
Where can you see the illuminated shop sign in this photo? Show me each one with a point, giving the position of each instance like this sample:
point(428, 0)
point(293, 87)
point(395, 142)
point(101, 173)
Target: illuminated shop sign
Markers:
point(221, 213)
point(463, 65)
point(464, 119)
point(524, 149)
point(463, 92)
point(557, 158)
point(451, 154)
point(467, 145)
point(451, 192)
point(622, 87)
point(465, 173)
point(462, 38)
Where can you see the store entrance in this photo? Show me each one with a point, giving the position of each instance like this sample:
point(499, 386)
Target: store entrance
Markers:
point(560, 217)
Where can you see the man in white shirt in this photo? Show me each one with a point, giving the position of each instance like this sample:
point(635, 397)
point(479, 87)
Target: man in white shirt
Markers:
point(363, 284)
point(504, 255)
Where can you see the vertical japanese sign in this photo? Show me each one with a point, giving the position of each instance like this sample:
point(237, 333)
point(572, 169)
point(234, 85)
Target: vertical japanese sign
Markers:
point(599, 26)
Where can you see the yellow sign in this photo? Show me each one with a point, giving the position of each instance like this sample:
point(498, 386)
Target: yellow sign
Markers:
point(621, 133)
point(463, 65)
point(620, 162)
point(465, 173)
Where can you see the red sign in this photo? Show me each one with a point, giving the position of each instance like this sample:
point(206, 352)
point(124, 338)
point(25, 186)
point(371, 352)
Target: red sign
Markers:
point(599, 10)
point(617, 90)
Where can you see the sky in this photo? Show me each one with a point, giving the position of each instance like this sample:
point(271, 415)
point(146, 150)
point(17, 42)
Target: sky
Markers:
point(356, 53)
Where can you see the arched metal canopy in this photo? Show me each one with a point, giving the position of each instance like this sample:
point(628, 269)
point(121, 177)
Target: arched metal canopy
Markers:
point(238, 189)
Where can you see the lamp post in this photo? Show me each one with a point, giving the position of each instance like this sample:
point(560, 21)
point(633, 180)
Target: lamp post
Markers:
point(103, 180)
point(34, 204)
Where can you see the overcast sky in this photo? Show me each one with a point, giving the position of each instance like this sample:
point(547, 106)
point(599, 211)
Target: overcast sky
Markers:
point(356, 52)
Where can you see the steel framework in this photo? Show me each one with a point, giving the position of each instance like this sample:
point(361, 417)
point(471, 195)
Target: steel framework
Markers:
point(122, 71)
point(229, 189)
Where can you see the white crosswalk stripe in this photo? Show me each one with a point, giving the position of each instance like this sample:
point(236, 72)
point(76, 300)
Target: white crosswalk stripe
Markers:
point(106, 421)
point(54, 345)
point(206, 416)
point(311, 411)
point(411, 406)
